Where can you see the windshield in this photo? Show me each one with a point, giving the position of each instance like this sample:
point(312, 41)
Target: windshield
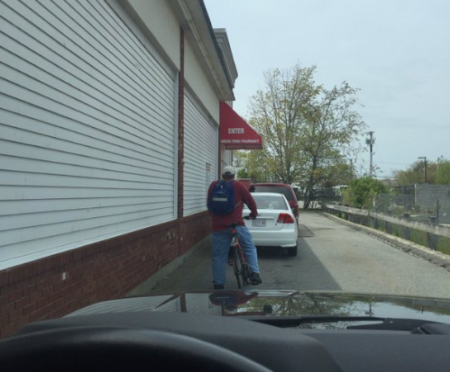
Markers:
point(133, 135)
point(270, 202)
point(287, 192)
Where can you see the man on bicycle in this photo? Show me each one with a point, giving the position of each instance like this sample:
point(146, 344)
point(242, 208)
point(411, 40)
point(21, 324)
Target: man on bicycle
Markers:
point(221, 231)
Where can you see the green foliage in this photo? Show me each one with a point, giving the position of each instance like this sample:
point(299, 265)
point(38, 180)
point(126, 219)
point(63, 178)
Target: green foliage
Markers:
point(242, 173)
point(419, 237)
point(414, 174)
point(339, 173)
point(254, 166)
point(443, 245)
point(398, 211)
point(443, 173)
point(397, 230)
point(308, 131)
point(362, 191)
point(436, 172)
point(382, 225)
point(276, 113)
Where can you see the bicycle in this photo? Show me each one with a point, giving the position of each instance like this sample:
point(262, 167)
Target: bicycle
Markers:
point(240, 266)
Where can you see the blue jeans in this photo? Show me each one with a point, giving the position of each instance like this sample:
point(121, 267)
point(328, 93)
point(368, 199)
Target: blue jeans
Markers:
point(221, 241)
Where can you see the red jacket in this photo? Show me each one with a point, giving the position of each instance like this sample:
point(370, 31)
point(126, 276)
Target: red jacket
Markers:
point(241, 196)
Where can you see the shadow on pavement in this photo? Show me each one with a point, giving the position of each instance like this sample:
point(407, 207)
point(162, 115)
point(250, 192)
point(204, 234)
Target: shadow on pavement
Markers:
point(304, 232)
point(304, 272)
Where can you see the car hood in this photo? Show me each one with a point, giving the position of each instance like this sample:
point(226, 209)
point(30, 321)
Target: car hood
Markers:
point(281, 303)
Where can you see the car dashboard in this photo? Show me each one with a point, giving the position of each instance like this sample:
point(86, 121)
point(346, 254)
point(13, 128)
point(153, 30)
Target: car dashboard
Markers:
point(270, 347)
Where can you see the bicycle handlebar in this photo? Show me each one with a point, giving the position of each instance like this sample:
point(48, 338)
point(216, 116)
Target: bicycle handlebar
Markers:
point(233, 225)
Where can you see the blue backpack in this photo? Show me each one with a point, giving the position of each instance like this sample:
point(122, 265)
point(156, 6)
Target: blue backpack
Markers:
point(221, 199)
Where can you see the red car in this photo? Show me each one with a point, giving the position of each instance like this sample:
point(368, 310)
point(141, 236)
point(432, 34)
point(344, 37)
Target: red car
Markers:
point(280, 188)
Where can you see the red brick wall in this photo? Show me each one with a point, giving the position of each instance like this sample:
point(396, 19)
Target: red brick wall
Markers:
point(101, 271)
point(194, 229)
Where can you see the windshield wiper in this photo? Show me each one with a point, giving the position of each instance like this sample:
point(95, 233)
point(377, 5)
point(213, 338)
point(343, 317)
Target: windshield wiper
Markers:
point(391, 324)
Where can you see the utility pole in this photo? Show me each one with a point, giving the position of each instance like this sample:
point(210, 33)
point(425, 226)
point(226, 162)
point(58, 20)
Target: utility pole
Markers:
point(439, 159)
point(351, 169)
point(370, 141)
point(424, 158)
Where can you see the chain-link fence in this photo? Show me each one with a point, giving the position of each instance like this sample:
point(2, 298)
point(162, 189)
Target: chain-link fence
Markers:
point(421, 203)
point(320, 196)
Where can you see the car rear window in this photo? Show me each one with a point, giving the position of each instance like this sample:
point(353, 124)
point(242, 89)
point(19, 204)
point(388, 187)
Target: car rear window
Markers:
point(270, 202)
point(286, 191)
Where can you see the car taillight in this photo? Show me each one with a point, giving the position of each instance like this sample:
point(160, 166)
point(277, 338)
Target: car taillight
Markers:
point(285, 218)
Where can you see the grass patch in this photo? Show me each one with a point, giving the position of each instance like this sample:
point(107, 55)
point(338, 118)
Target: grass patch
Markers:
point(382, 225)
point(398, 211)
point(419, 237)
point(443, 245)
point(397, 231)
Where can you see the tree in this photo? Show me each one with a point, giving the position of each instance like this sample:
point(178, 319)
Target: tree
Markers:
point(307, 129)
point(254, 166)
point(443, 172)
point(239, 158)
point(277, 114)
point(437, 173)
point(340, 173)
point(408, 177)
point(362, 191)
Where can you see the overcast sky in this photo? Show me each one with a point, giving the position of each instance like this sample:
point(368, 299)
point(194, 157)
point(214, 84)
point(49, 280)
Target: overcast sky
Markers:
point(396, 52)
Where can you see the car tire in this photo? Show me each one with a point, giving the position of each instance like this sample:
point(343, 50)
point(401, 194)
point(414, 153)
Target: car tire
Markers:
point(292, 252)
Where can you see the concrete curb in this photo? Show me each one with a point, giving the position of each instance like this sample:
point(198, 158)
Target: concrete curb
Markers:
point(436, 258)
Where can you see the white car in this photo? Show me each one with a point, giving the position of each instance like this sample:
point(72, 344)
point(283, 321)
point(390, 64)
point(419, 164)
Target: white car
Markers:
point(276, 225)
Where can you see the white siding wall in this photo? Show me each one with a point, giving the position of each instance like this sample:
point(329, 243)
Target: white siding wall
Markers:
point(200, 156)
point(159, 19)
point(196, 78)
point(87, 129)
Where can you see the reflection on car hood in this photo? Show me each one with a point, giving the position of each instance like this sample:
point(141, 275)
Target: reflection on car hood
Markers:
point(278, 303)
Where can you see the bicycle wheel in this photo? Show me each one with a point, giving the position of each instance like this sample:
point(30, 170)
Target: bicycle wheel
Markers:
point(237, 267)
point(245, 274)
point(243, 270)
